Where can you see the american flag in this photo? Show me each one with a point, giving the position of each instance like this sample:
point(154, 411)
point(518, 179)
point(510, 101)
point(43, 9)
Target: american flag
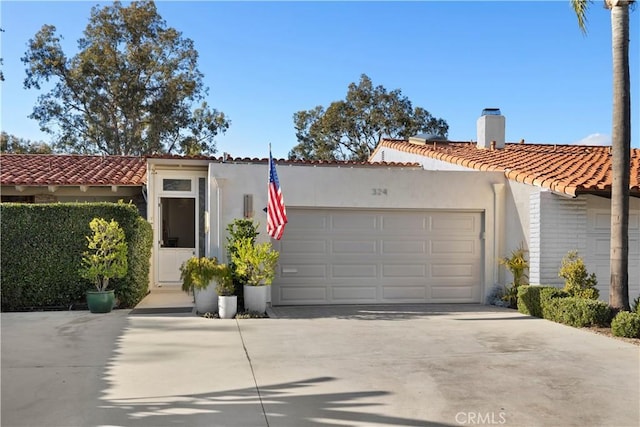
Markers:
point(276, 212)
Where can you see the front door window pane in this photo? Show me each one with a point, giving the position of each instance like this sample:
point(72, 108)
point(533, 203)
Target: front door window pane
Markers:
point(178, 222)
point(176, 184)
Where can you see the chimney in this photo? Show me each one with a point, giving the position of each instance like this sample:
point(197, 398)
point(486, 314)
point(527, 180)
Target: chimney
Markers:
point(491, 127)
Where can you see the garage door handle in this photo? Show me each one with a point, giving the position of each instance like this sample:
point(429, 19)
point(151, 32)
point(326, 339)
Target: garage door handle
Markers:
point(289, 270)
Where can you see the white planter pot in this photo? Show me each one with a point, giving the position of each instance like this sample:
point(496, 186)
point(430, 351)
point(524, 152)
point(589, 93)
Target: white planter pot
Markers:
point(206, 299)
point(227, 306)
point(255, 298)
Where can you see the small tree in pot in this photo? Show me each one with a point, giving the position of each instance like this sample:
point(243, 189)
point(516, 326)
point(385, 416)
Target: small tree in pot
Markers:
point(225, 288)
point(239, 229)
point(197, 274)
point(105, 258)
point(257, 263)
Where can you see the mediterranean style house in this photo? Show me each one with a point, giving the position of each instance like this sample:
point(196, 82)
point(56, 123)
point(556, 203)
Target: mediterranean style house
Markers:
point(424, 221)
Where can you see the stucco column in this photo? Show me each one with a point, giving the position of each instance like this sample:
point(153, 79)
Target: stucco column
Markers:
point(498, 230)
point(215, 226)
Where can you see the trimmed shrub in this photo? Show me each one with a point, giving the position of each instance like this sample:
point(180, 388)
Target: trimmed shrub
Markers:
point(578, 312)
point(42, 247)
point(626, 324)
point(548, 293)
point(529, 300)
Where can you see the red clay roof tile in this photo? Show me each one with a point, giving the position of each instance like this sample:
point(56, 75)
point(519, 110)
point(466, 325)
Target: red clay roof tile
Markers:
point(58, 169)
point(570, 169)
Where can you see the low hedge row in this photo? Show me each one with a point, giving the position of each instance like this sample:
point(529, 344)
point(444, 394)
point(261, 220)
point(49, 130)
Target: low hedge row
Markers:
point(555, 304)
point(578, 312)
point(42, 246)
point(626, 324)
point(531, 298)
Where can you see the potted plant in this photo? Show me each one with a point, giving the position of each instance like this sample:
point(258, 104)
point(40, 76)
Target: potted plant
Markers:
point(225, 288)
point(238, 229)
point(197, 274)
point(105, 258)
point(257, 263)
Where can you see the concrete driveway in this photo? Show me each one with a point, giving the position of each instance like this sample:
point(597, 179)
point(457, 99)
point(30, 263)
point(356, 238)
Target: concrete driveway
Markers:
point(416, 365)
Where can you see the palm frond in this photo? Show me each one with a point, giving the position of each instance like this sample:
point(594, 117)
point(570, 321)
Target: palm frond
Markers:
point(580, 7)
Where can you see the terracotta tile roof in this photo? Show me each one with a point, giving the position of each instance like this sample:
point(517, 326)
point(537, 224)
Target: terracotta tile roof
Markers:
point(256, 160)
point(569, 169)
point(56, 169)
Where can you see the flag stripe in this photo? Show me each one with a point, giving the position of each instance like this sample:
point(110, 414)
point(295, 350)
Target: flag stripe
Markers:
point(276, 211)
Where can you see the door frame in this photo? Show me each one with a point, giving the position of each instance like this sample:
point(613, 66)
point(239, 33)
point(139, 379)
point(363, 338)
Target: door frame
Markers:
point(159, 194)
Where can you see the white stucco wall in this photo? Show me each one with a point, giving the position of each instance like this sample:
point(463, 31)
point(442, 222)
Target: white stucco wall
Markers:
point(517, 216)
point(349, 187)
point(391, 155)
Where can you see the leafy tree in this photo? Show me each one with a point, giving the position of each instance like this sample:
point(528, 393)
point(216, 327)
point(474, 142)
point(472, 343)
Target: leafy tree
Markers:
point(13, 144)
point(131, 88)
point(350, 129)
point(620, 144)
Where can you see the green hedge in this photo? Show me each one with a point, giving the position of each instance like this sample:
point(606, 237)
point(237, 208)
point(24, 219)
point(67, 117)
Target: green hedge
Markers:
point(532, 300)
point(578, 312)
point(41, 246)
point(626, 324)
point(547, 294)
point(529, 299)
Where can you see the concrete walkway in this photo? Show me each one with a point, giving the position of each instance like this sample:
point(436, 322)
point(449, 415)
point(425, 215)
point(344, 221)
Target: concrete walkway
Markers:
point(323, 366)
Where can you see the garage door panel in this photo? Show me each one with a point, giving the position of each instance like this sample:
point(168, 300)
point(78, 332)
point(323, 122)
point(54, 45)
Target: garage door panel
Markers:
point(367, 256)
point(454, 223)
point(449, 271)
point(303, 271)
point(303, 294)
point(413, 223)
point(311, 246)
point(353, 293)
point(354, 246)
point(354, 271)
point(404, 293)
point(452, 247)
point(404, 270)
point(451, 293)
point(403, 247)
point(345, 222)
point(308, 222)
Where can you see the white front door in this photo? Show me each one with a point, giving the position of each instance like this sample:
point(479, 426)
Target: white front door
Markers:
point(179, 229)
point(179, 237)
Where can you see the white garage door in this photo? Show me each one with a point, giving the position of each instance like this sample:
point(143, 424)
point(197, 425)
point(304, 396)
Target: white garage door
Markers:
point(364, 256)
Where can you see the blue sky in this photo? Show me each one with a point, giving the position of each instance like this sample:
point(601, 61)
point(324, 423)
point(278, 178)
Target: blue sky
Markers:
point(264, 61)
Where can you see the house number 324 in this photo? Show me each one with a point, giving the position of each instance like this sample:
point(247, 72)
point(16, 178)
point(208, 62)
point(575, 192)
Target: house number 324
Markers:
point(378, 191)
